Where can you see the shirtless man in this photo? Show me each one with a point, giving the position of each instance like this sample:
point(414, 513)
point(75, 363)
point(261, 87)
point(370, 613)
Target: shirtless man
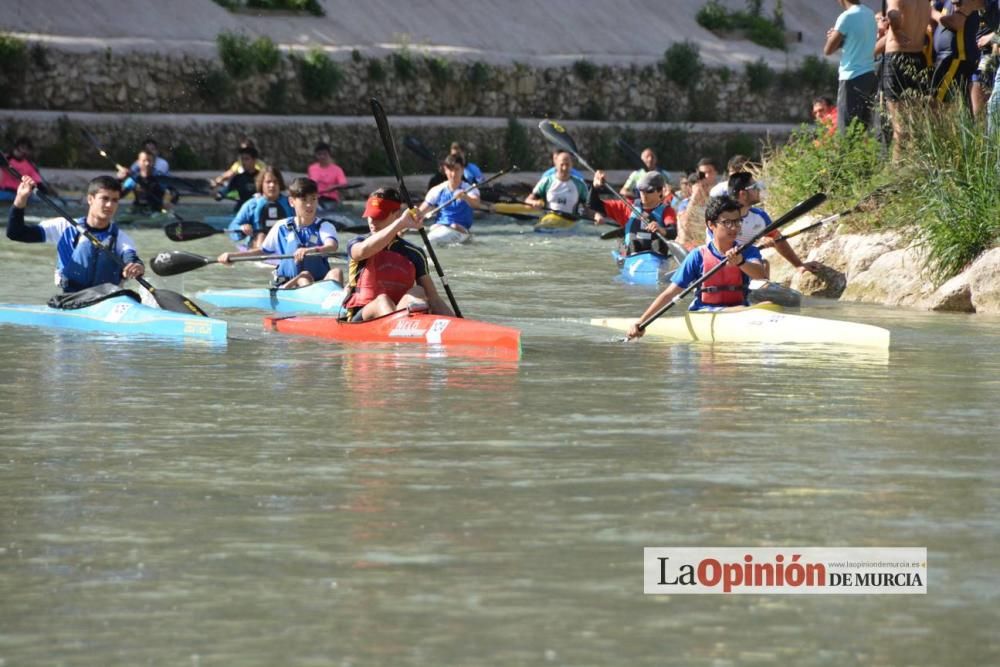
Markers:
point(905, 67)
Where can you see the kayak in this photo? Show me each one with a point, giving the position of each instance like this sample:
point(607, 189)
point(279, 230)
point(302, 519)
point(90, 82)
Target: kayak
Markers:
point(553, 222)
point(757, 324)
point(446, 234)
point(119, 314)
point(404, 326)
point(324, 296)
point(649, 268)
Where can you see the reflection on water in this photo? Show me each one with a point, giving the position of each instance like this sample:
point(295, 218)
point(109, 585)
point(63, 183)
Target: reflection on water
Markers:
point(286, 500)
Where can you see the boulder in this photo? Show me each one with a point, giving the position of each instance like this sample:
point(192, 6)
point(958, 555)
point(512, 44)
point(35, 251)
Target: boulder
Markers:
point(954, 296)
point(984, 282)
point(894, 279)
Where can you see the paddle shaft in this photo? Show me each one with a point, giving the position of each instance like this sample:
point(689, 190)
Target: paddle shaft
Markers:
point(630, 153)
point(92, 139)
point(390, 148)
point(190, 305)
point(800, 209)
point(435, 211)
point(818, 223)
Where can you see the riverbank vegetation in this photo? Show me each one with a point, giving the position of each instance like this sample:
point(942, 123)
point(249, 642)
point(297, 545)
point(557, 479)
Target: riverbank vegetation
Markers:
point(943, 190)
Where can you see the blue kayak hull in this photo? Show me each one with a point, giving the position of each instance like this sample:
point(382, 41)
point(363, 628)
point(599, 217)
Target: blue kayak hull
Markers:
point(645, 268)
point(119, 315)
point(324, 296)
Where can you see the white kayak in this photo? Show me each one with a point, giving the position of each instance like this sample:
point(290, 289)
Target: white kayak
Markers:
point(446, 234)
point(756, 324)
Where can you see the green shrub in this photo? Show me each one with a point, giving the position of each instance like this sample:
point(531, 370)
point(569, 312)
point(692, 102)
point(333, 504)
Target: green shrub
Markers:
point(765, 33)
point(682, 63)
point(311, 6)
point(184, 158)
point(517, 146)
point(211, 85)
point(713, 16)
point(759, 75)
point(13, 54)
point(742, 144)
point(356, 56)
point(769, 33)
point(376, 71)
point(440, 70)
point(265, 55)
point(479, 74)
point(319, 76)
point(585, 70)
point(242, 57)
point(816, 73)
point(402, 63)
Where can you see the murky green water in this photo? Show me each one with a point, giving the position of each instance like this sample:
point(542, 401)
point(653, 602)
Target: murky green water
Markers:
point(283, 501)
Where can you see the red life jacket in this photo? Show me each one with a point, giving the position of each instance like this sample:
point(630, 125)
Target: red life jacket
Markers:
point(725, 287)
point(386, 272)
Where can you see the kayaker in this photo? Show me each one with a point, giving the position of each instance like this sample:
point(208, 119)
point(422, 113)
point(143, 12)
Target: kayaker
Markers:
point(237, 166)
point(307, 237)
point(80, 264)
point(472, 174)
point(561, 190)
point(258, 214)
point(639, 236)
point(745, 189)
point(20, 158)
point(385, 272)
point(147, 191)
point(327, 174)
point(649, 159)
point(458, 214)
point(160, 166)
point(244, 184)
point(728, 287)
point(552, 170)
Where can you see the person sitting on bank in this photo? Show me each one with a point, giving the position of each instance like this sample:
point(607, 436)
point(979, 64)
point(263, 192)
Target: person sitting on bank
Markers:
point(640, 236)
point(329, 176)
point(728, 287)
point(308, 238)
point(20, 158)
point(459, 213)
point(385, 272)
point(649, 159)
point(148, 194)
point(80, 264)
point(265, 209)
point(561, 190)
point(244, 183)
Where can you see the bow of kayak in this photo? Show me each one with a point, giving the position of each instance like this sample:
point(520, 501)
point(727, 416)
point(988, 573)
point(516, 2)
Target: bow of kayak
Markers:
point(407, 327)
point(324, 296)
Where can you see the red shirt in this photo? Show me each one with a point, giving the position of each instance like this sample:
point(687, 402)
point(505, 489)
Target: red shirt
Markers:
point(24, 168)
point(621, 212)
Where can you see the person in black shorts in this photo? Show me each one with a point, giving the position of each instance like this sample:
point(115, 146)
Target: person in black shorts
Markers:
point(955, 48)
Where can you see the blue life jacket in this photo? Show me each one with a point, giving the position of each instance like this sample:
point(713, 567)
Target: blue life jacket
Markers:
point(638, 239)
point(81, 264)
point(290, 239)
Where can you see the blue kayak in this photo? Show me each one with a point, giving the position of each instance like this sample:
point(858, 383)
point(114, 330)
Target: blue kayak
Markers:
point(120, 315)
point(324, 296)
point(649, 268)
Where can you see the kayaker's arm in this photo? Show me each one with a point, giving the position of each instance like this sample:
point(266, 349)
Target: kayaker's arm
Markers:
point(16, 229)
point(661, 300)
point(784, 248)
point(437, 305)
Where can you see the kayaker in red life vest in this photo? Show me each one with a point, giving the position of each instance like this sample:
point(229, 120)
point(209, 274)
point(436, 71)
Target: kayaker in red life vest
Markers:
point(728, 287)
point(386, 273)
point(639, 236)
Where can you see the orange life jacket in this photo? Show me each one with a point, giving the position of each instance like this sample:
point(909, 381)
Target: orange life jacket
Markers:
point(725, 287)
point(386, 272)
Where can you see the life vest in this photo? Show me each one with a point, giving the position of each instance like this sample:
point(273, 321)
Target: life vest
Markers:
point(638, 239)
point(725, 287)
point(386, 272)
point(148, 193)
point(290, 239)
point(269, 213)
point(80, 264)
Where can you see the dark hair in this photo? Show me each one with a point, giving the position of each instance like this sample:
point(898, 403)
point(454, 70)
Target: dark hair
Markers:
point(739, 181)
point(453, 161)
point(323, 146)
point(249, 150)
point(148, 152)
point(151, 140)
point(302, 187)
point(718, 205)
point(24, 142)
point(392, 194)
point(823, 99)
point(273, 171)
point(455, 146)
point(104, 183)
point(707, 162)
point(736, 163)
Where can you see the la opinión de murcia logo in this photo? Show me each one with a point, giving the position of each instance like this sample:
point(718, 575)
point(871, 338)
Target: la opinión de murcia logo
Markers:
point(815, 570)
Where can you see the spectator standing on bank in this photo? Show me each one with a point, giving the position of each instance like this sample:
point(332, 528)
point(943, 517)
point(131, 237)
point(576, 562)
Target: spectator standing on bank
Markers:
point(854, 34)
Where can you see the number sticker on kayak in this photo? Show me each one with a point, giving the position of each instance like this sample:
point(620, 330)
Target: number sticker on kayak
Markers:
point(434, 333)
point(118, 312)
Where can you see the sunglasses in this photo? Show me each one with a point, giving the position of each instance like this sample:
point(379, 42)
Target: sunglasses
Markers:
point(732, 224)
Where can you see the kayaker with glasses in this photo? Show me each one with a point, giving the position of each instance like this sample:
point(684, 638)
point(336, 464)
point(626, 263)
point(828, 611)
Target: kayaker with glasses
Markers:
point(728, 287)
point(80, 264)
point(640, 236)
point(385, 272)
point(303, 235)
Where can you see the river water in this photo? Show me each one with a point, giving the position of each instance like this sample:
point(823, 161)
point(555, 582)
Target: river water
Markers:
point(288, 501)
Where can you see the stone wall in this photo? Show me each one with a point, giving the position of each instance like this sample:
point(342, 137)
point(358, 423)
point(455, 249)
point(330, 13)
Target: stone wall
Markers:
point(406, 82)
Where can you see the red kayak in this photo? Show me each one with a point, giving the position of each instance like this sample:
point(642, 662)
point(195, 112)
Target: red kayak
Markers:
point(405, 327)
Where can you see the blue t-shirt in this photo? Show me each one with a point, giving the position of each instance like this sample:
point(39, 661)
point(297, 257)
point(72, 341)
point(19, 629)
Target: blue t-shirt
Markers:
point(692, 269)
point(458, 212)
point(857, 55)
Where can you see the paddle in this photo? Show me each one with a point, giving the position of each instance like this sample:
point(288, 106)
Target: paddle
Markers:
point(192, 185)
point(419, 149)
point(630, 153)
point(558, 135)
point(831, 218)
point(390, 149)
point(800, 209)
point(435, 211)
point(166, 299)
point(179, 261)
point(343, 186)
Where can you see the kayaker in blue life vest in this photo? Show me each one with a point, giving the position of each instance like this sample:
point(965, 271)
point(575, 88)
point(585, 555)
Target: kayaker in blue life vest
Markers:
point(385, 272)
point(79, 263)
point(639, 236)
point(303, 235)
point(459, 213)
point(261, 212)
point(728, 287)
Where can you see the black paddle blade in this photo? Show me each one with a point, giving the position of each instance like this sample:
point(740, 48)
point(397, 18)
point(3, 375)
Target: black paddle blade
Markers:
point(178, 303)
point(797, 211)
point(633, 157)
point(189, 230)
point(390, 148)
point(419, 149)
point(178, 261)
point(618, 233)
point(557, 134)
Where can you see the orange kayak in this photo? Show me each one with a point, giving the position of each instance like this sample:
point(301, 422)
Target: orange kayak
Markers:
point(405, 327)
